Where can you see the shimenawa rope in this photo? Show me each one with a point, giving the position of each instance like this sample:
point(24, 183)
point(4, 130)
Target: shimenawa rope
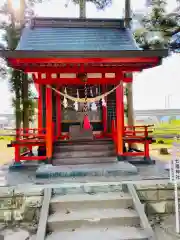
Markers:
point(85, 100)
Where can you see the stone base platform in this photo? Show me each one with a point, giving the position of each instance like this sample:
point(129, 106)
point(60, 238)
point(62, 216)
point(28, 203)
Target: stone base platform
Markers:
point(25, 165)
point(102, 169)
point(140, 160)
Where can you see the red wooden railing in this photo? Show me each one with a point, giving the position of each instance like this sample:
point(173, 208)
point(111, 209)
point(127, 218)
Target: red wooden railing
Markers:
point(29, 133)
point(137, 131)
point(135, 134)
point(28, 138)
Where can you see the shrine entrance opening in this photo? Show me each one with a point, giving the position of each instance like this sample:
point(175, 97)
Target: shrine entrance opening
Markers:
point(73, 113)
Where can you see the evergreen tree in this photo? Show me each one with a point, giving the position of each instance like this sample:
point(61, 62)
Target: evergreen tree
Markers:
point(100, 4)
point(158, 24)
point(12, 23)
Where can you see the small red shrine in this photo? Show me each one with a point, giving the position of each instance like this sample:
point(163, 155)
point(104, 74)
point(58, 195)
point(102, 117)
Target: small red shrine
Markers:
point(59, 53)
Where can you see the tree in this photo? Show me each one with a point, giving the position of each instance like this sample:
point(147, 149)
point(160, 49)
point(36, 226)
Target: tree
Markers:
point(100, 4)
point(18, 80)
point(157, 27)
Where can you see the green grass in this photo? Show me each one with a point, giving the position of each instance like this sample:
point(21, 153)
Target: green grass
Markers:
point(172, 128)
point(164, 141)
point(6, 138)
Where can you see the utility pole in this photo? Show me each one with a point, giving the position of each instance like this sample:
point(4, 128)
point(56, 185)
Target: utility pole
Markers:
point(128, 13)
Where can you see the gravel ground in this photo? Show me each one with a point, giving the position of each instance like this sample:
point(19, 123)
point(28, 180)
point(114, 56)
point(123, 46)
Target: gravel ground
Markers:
point(166, 229)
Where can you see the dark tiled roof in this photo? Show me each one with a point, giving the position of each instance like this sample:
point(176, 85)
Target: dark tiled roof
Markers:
point(98, 35)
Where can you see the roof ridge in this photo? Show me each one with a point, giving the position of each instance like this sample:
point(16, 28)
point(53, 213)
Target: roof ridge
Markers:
point(76, 22)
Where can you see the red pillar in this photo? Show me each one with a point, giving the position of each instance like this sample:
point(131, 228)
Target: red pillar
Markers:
point(146, 145)
point(40, 107)
point(17, 148)
point(104, 112)
point(58, 115)
point(113, 129)
point(49, 133)
point(120, 120)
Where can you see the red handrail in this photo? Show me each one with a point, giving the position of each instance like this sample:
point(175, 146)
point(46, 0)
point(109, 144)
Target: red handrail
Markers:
point(30, 133)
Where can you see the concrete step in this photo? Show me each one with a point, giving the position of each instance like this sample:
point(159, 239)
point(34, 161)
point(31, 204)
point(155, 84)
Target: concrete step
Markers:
point(73, 219)
point(87, 201)
point(84, 147)
point(84, 154)
point(87, 160)
point(109, 233)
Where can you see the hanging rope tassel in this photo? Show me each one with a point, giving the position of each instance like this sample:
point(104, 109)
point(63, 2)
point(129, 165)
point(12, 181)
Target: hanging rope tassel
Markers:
point(65, 102)
point(93, 106)
point(76, 106)
point(103, 102)
point(86, 122)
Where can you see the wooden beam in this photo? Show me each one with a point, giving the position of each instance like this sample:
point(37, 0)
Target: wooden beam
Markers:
point(104, 112)
point(76, 81)
point(49, 133)
point(21, 61)
point(82, 69)
point(40, 107)
point(119, 120)
point(58, 115)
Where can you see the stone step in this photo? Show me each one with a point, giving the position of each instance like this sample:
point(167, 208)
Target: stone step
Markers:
point(87, 160)
point(84, 147)
point(84, 154)
point(88, 188)
point(109, 233)
point(101, 169)
point(85, 141)
point(87, 201)
point(92, 217)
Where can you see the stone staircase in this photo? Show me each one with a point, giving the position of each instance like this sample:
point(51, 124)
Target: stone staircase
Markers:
point(85, 158)
point(84, 152)
point(94, 215)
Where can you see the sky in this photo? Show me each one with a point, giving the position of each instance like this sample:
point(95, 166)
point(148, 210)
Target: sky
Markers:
point(155, 88)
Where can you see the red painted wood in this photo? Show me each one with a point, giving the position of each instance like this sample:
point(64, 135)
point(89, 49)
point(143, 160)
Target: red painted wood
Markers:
point(30, 129)
point(33, 158)
point(104, 112)
point(138, 126)
point(31, 135)
point(113, 130)
point(84, 60)
point(49, 133)
point(40, 107)
point(25, 143)
point(120, 119)
point(133, 154)
point(58, 116)
point(77, 81)
point(17, 149)
point(86, 69)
